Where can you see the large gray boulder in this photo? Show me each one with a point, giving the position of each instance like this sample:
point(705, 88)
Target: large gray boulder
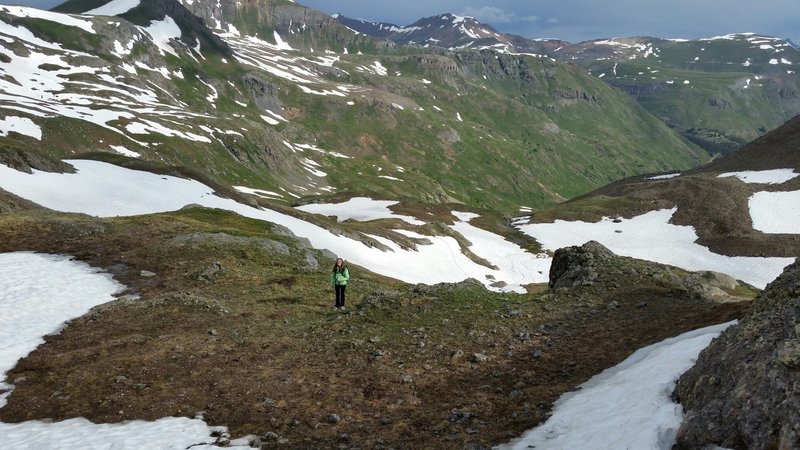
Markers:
point(577, 266)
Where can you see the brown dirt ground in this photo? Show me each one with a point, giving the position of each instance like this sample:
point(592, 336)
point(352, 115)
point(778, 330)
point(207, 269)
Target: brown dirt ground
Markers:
point(259, 348)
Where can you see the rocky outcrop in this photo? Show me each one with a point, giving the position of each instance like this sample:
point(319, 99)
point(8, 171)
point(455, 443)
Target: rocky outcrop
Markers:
point(744, 391)
point(590, 263)
point(577, 266)
point(27, 161)
point(193, 28)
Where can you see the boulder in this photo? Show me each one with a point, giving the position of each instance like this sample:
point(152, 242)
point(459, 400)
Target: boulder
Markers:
point(744, 391)
point(577, 266)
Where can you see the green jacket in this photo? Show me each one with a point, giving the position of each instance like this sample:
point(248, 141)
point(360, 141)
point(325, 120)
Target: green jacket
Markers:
point(340, 278)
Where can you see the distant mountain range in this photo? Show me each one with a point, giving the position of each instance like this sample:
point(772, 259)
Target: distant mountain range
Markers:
point(719, 92)
point(452, 32)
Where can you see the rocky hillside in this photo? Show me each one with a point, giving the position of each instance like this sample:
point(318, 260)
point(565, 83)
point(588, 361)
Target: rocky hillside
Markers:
point(288, 101)
point(756, 404)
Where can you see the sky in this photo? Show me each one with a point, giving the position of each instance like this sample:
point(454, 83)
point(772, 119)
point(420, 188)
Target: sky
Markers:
point(579, 20)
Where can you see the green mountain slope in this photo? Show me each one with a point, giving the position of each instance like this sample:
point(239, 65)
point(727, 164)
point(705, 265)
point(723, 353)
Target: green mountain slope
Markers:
point(719, 92)
point(250, 109)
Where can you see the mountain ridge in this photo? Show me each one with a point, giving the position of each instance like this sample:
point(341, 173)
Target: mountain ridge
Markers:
point(748, 83)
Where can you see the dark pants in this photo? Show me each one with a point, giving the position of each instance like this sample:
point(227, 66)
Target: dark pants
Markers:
point(339, 295)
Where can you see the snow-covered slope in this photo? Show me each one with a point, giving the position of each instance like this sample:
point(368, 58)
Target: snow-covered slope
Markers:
point(105, 190)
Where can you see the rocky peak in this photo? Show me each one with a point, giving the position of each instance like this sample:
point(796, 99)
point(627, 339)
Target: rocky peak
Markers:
point(448, 31)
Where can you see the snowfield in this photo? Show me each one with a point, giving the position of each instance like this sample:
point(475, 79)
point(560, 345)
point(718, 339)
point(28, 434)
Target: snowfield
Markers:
point(776, 212)
point(105, 190)
point(627, 406)
point(38, 293)
point(359, 208)
point(774, 176)
point(651, 237)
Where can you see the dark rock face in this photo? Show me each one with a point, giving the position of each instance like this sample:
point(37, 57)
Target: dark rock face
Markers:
point(744, 391)
point(26, 161)
point(192, 27)
point(577, 266)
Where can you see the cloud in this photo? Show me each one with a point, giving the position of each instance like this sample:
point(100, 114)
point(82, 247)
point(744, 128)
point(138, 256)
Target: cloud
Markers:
point(553, 21)
point(490, 14)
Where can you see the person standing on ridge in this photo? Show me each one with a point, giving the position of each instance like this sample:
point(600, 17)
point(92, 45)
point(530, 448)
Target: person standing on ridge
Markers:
point(339, 277)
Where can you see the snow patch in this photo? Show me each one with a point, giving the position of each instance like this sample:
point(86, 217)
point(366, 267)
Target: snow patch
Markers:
point(124, 151)
point(626, 406)
point(664, 177)
point(361, 209)
point(774, 176)
point(776, 212)
point(21, 125)
point(162, 31)
point(64, 19)
point(113, 8)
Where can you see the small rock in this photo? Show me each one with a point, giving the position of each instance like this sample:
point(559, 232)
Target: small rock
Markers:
point(333, 418)
point(212, 332)
point(147, 273)
point(406, 379)
point(457, 354)
point(386, 420)
point(537, 354)
point(789, 354)
point(479, 357)
point(612, 306)
point(271, 436)
point(461, 416)
point(210, 271)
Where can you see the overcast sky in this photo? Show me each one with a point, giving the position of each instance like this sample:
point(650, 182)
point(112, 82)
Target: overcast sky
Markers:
point(579, 20)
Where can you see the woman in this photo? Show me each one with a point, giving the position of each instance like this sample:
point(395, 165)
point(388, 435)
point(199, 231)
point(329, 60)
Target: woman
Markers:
point(339, 278)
